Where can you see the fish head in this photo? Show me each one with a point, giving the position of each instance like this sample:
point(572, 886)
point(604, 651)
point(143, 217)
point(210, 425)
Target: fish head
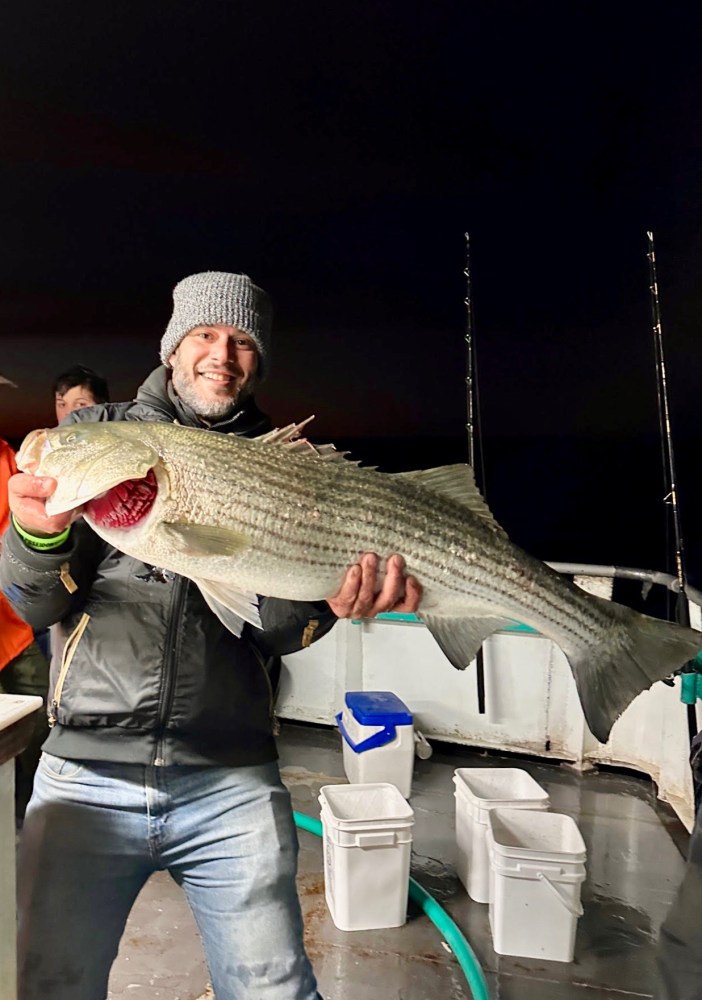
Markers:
point(96, 466)
point(29, 456)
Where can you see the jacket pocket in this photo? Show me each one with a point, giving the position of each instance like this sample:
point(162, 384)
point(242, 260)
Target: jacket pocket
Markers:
point(66, 659)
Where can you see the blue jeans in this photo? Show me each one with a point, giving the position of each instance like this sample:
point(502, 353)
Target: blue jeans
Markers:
point(95, 831)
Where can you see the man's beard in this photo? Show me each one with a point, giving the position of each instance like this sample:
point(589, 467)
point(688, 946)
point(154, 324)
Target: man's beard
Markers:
point(211, 409)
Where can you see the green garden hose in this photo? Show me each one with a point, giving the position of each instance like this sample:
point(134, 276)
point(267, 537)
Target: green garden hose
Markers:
point(438, 916)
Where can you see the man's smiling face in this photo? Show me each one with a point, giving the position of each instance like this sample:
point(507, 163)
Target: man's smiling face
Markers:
point(214, 367)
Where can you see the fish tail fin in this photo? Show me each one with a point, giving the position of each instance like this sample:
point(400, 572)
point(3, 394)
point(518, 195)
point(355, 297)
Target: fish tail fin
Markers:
point(639, 650)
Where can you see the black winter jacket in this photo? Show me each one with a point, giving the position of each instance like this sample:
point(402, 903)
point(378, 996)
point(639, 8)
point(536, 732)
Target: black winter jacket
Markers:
point(148, 674)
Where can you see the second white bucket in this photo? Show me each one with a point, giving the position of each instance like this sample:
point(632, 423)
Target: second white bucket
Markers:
point(478, 790)
point(367, 841)
point(537, 866)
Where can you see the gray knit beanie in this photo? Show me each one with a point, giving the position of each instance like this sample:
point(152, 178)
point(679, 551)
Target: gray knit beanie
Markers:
point(219, 297)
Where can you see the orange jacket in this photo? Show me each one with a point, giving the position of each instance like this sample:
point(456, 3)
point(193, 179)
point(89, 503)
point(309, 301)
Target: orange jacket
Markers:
point(15, 635)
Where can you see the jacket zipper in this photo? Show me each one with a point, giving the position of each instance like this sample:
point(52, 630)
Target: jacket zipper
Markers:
point(66, 659)
point(262, 664)
point(169, 664)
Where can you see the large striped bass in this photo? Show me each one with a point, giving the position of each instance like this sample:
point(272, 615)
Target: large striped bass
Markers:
point(246, 517)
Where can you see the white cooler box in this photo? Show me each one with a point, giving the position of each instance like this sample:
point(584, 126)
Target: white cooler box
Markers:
point(378, 739)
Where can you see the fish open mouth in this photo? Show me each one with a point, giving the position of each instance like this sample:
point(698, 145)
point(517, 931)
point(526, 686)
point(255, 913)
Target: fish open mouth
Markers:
point(124, 505)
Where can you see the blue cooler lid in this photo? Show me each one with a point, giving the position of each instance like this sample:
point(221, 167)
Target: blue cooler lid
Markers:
point(378, 708)
point(374, 708)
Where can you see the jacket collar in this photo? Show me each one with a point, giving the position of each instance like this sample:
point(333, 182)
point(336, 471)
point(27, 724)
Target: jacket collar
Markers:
point(157, 394)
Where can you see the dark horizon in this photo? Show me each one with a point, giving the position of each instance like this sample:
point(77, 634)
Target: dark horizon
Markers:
point(338, 155)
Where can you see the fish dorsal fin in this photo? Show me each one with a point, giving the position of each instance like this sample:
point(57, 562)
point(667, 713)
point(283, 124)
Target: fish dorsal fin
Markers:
point(290, 438)
point(284, 435)
point(457, 482)
point(232, 607)
point(202, 539)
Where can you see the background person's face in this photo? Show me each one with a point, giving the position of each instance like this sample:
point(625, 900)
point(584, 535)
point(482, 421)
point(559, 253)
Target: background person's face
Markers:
point(76, 398)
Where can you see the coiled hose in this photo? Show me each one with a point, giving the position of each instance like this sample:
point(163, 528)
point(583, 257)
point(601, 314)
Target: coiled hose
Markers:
point(438, 916)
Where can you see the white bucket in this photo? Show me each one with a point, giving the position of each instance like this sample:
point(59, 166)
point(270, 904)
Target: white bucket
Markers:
point(537, 862)
point(378, 739)
point(367, 841)
point(478, 790)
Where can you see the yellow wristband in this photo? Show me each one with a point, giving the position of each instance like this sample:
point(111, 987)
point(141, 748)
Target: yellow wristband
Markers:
point(41, 544)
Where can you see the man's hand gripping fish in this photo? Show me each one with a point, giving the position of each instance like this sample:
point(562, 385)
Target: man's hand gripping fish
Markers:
point(274, 516)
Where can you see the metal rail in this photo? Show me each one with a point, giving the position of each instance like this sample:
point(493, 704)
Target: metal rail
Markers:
point(649, 576)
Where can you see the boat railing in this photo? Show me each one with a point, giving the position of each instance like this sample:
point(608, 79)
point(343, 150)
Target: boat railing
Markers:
point(646, 576)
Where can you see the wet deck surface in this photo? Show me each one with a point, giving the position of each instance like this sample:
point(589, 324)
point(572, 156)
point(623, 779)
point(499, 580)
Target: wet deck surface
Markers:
point(634, 865)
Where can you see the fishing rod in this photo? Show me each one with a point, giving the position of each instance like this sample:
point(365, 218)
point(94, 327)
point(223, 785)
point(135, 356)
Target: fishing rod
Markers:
point(468, 336)
point(668, 457)
point(664, 423)
point(472, 406)
point(475, 455)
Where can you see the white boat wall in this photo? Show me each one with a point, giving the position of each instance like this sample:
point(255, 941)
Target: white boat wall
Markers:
point(14, 709)
point(531, 703)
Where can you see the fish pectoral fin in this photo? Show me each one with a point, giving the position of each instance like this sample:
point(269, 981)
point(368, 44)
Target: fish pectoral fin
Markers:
point(461, 638)
point(232, 607)
point(202, 539)
point(456, 482)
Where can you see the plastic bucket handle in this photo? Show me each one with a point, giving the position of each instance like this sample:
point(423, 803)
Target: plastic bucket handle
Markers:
point(376, 839)
point(540, 868)
point(577, 911)
point(386, 735)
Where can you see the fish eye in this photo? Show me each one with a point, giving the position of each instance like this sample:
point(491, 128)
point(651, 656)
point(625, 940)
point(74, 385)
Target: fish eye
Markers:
point(71, 436)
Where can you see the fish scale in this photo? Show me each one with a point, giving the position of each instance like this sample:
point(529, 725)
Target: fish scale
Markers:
point(272, 517)
point(322, 495)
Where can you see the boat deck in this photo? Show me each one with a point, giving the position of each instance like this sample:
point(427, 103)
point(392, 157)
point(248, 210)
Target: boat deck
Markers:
point(635, 862)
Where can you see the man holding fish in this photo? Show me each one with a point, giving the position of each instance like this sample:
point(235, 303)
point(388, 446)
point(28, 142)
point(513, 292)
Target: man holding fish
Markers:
point(161, 754)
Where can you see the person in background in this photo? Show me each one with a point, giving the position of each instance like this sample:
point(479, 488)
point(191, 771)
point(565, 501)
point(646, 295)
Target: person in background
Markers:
point(78, 388)
point(161, 755)
point(23, 667)
point(75, 389)
point(679, 948)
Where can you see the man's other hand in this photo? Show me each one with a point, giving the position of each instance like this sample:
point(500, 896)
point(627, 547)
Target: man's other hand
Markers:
point(360, 595)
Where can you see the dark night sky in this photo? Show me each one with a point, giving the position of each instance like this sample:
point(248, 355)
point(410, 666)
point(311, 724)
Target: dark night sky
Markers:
point(337, 153)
